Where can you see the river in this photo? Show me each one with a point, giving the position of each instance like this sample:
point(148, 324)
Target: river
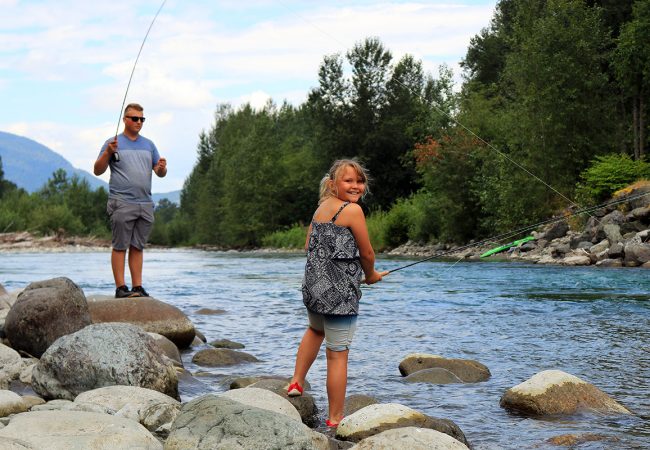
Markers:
point(517, 319)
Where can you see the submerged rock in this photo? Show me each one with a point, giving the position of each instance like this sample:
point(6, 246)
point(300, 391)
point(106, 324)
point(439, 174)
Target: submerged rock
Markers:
point(217, 357)
point(557, 392)
point(466, 370)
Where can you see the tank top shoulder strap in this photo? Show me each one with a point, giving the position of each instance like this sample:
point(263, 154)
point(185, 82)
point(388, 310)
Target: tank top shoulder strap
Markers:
point(339, 211)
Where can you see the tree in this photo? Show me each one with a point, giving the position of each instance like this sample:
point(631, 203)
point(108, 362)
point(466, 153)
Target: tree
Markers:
point(632, 67)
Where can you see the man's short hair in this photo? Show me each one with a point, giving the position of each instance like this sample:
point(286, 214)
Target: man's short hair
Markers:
point(135, 106)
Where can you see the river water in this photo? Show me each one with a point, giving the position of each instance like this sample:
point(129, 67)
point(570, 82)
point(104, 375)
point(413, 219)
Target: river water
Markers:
point(515, 318)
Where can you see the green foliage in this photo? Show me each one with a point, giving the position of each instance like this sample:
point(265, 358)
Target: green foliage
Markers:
point(606, 175)
point(292, 238)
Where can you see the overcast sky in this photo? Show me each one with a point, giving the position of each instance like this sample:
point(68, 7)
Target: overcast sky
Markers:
point(65, 65)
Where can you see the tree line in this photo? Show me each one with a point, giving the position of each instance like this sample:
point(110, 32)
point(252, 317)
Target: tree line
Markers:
point(551, 112)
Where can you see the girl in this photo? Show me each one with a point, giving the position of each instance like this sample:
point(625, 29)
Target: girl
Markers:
point(338, 251)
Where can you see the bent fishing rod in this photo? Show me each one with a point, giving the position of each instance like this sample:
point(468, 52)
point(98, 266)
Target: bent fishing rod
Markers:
point(116, 156)
point(508, 235)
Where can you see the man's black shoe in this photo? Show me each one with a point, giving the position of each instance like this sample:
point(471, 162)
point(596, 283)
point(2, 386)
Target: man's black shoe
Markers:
point(124, 292)
point(140, 291)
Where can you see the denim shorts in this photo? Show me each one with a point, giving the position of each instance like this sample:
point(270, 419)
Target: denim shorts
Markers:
point(338, 330)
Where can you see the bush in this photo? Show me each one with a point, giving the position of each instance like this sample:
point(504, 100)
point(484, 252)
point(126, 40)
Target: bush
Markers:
point(293, 238)
point(606, 175)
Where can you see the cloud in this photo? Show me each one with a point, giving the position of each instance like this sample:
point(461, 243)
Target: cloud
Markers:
point(198, 54)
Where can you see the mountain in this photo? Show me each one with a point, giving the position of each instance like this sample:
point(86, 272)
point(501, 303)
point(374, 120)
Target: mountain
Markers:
point(29, 164)
point(173, 196)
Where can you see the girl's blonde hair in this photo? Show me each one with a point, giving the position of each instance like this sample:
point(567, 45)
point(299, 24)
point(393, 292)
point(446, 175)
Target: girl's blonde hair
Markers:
point(327, 184)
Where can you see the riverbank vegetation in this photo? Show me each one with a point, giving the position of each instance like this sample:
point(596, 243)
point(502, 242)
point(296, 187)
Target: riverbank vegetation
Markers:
point(551, 111)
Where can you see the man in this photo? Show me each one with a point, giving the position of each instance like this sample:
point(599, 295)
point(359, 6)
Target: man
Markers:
point(131, 158)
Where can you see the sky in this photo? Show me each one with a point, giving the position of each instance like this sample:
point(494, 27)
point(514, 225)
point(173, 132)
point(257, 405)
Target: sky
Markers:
point(65, 65)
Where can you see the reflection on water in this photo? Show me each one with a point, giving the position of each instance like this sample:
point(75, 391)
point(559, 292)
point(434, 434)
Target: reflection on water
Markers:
point(517, 319)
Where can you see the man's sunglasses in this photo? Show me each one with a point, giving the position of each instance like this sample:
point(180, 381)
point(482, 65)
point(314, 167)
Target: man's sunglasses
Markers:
point(136, 118)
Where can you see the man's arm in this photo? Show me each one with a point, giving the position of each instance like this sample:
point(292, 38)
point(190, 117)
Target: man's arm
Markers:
point(104, 159)
point(160, 168)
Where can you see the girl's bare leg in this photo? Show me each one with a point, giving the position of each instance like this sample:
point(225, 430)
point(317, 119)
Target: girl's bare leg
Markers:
point(337, 380)
point(307, 352)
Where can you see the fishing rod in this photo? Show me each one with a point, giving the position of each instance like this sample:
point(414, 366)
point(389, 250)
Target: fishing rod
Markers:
point(116, 156)
point(508, 235)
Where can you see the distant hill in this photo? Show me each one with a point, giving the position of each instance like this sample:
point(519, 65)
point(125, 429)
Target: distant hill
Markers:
point(173, 196)
point(29, 164)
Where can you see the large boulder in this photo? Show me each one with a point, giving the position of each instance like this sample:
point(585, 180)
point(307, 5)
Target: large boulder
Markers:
point(146, 312)
point(265, 399)
point(11, 403)
point(153, 409)
point(101, 355)
point(65, 430)
point(213, 421)
point(410, 438)
point(304, 404)
point(10, 363)
point(45, 311)
point(467, 370)
point(637, 249)
point(557, 392)
point(377, 418)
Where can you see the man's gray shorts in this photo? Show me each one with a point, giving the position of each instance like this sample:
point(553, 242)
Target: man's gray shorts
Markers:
point(131, 223)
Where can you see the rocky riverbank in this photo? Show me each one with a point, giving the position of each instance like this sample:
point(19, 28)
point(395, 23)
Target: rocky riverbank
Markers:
point(25, 241)
point(614, 236)
point(90, 371)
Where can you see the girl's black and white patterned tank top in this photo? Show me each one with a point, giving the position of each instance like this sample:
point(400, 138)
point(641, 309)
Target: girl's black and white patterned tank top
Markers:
point(331, 284)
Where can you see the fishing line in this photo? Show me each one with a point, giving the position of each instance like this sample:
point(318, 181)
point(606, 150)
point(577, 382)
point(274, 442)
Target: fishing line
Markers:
point(509, 235)
point(116, 156)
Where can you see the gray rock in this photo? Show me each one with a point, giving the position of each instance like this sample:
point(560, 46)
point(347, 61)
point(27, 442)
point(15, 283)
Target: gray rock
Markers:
point(435, 375)
point(556, 230)
point(556, 392)
point(10, 363)
point(265, 399)
point(583, 245)
point(11, 403)
point(355, 402)
point(375, 419)
point(218, 357)
point(154, 410)
point(148, 313)
point(610, 263)
point(15, 444)
point(636, 253)
point(559, 250)
point(168, 348)
point(103, 355)
point(467, 370)
point(304, 404)
point(642, 214)
point(616, 217)
point(225, 343)
point(58, 430)
point(600, 247)
point(616, 251)
point(45, 311)
point(410, 438)
point(613, 233)
point(211, 422)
